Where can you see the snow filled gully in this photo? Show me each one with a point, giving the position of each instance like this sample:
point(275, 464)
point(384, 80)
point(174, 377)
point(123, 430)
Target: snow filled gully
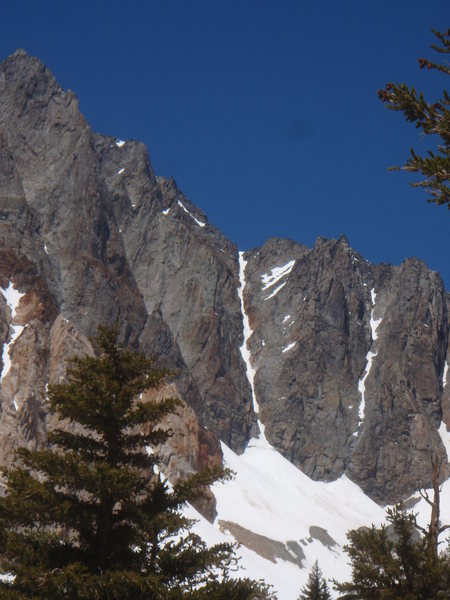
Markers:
point(374, 323)
point(245, 352)
point(12, 297)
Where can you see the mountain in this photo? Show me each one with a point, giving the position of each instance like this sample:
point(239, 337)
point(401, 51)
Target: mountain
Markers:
point(308, 361)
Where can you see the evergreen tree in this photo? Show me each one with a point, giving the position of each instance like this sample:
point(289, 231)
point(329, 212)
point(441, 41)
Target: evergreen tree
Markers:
point(316, 588)
point(432, 118)
point(89, 517)
point(395, 565)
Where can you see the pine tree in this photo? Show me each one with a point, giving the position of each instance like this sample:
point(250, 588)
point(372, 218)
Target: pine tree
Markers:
point(89, 517)
point(394, 563)
point(432, 118)
point(316, 587)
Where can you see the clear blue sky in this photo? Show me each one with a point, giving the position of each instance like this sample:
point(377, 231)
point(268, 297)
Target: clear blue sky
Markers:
point(266, 113)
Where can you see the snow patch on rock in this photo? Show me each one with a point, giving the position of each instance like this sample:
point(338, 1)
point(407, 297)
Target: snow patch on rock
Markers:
point(275, 291)
point(199, 223)
point(445, 437)
point(12, 297)
point(276, 273)
point(288, 347)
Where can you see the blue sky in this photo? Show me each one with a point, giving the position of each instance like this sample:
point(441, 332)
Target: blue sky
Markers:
point(265, 113)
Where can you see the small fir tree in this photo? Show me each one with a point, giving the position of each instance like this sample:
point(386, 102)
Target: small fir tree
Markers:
point(395, 563)
point(432, 118)
point(316, 588)
point(89, 517)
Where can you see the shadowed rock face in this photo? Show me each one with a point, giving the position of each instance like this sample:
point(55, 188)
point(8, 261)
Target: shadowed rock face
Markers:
point(90, 234)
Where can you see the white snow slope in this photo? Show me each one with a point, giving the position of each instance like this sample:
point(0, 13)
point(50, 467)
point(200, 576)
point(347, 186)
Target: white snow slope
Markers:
point(271, 497)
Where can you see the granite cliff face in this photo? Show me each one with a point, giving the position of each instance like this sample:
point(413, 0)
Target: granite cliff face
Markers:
point(349, 357)
point(350, 360)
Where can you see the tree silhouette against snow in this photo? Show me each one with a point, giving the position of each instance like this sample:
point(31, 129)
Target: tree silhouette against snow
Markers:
point(316, 587)
point(395, 563)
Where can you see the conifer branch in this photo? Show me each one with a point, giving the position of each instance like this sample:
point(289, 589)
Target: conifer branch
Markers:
point(433, 118)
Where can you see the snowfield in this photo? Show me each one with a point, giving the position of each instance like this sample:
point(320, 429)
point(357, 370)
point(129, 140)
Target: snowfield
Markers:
point(270, 497)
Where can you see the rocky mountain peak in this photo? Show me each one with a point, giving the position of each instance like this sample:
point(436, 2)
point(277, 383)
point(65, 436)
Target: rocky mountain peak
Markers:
point(348, 357)
point(25, 81)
